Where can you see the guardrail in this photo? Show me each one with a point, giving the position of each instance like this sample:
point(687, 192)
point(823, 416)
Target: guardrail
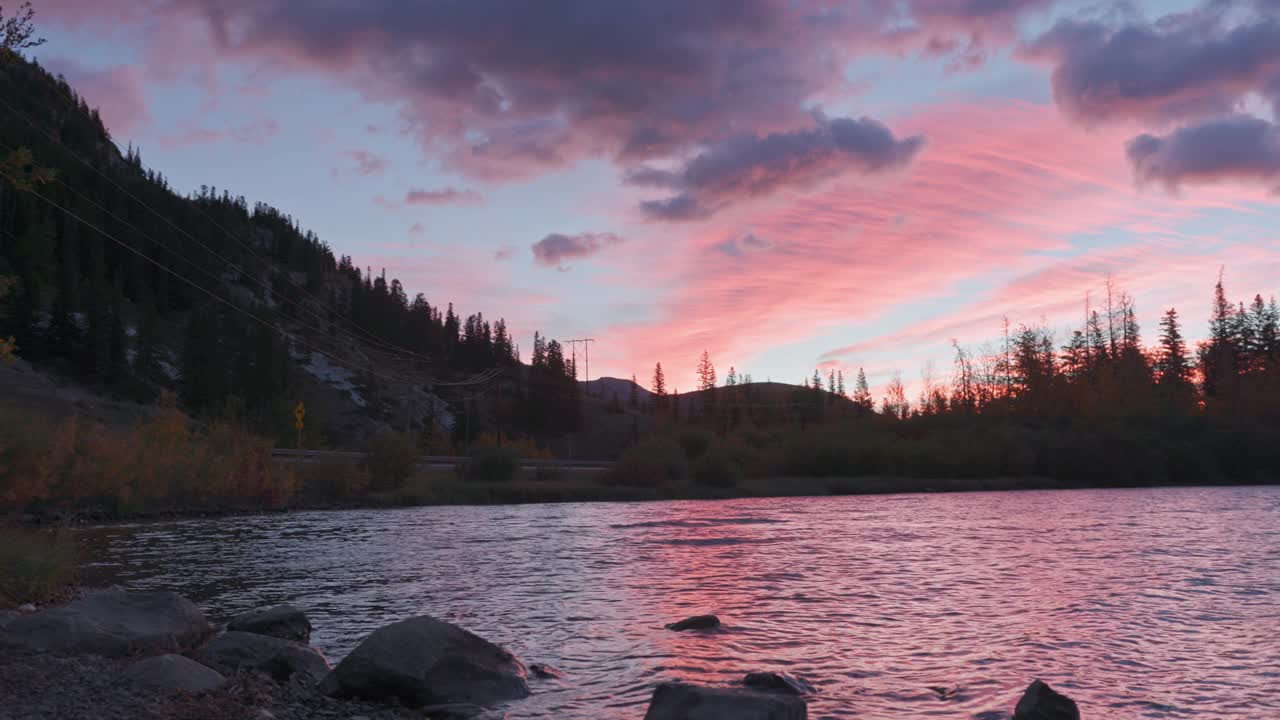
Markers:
point(429, 460)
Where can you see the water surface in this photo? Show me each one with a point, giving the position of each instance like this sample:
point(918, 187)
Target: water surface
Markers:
point(1138, 603)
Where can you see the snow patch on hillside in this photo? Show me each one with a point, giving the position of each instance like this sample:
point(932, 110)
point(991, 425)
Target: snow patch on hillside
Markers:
point(339, 377)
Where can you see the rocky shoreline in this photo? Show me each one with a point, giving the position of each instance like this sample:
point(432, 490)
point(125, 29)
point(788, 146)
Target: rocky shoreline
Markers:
point(115, 655)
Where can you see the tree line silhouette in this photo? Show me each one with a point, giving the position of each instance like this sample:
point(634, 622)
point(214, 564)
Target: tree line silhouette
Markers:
point(114, 278)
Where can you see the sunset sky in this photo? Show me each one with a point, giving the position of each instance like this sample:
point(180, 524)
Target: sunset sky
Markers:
point(788, 184)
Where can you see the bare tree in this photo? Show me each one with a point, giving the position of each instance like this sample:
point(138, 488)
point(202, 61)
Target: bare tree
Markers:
point(17, 31)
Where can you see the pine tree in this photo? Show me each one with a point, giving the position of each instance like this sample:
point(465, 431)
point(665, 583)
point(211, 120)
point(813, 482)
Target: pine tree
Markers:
point(706, 373)
point(817, 380)
point(840, 383)
point(539, 358)
point(659, 386)
point(1075, 356)
point(1097, 340)
point(831, 382)
point(1220, 354)
point(862, 393)
point(117, 336)
point(634, 399)
point(96, 362)
point(1173, 370)
point(732, 378)
point(203, 370)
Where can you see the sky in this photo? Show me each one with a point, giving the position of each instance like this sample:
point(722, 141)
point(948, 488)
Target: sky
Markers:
point(785, 184)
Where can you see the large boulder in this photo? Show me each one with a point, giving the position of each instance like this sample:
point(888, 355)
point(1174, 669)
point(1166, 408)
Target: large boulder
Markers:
point(281, 659)
point(282, 621)
point(112, 623)
point(1041, 702)
point(679, 701)
point(697, 622)
point(425, 661)
point(173, 673)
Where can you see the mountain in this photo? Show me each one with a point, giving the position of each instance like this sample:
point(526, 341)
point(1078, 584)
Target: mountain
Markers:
point(607, 387)
point(116, 281)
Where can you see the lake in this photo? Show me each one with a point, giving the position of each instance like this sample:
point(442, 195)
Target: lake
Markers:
point(1154, 603)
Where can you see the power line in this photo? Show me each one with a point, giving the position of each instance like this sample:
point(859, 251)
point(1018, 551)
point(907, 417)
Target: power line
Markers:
point(206, 272)
point(206, 291)
point(481, 378)
point(369, 336)
point(586, 349)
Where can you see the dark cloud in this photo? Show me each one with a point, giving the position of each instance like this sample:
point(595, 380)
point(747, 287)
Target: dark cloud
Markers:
point(1183, 66)
point(504, 89)
point(740, 246)
point(1272, 92)
point(749, 166)
point(1238, 147)
point(554, 249)
point(442, 196)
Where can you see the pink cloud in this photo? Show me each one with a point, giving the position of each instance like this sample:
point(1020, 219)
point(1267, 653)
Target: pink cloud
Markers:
point(365, 164)
point(196, 136)
point(442, 196)
point(256, 132)
point(977, 206)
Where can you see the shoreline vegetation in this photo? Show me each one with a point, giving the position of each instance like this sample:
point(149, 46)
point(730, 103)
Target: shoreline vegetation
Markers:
point(169, 465)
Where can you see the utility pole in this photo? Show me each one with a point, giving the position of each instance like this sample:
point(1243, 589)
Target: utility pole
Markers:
point(586, 353)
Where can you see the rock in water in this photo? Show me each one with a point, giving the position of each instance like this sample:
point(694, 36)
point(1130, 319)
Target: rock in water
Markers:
point(1041, 702)
point(112, 624)
point(425, 661)
point(282, 621)
point(697, 622)
point(545, 672)
point(281, 659)
point(173, 673)
point(778, 682)
point(678, 701)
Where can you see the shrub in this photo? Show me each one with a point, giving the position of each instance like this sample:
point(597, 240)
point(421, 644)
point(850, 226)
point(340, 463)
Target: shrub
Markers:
point(695, 442)
point(654, 462)
point(493, 464)
point(35, 566)
point(159, 463)
point(390, 461)
point(717, 468)
point(333, 481)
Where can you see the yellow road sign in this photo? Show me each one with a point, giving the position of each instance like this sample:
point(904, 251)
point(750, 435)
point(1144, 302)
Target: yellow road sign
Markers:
point(299, 413)
point(298, 424)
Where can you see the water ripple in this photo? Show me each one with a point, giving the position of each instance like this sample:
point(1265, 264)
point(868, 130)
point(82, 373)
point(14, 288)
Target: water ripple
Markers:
point(1138, 603)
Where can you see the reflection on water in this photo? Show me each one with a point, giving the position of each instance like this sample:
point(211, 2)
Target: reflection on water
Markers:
point(1137, 603)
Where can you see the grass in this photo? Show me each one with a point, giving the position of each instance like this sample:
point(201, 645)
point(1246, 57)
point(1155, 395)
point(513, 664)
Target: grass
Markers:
point(36, 566)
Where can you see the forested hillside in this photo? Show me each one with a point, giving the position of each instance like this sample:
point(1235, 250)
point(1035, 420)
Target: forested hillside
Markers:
point(119, 281)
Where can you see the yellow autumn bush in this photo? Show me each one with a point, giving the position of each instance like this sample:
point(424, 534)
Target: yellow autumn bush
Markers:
point(163, 462)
